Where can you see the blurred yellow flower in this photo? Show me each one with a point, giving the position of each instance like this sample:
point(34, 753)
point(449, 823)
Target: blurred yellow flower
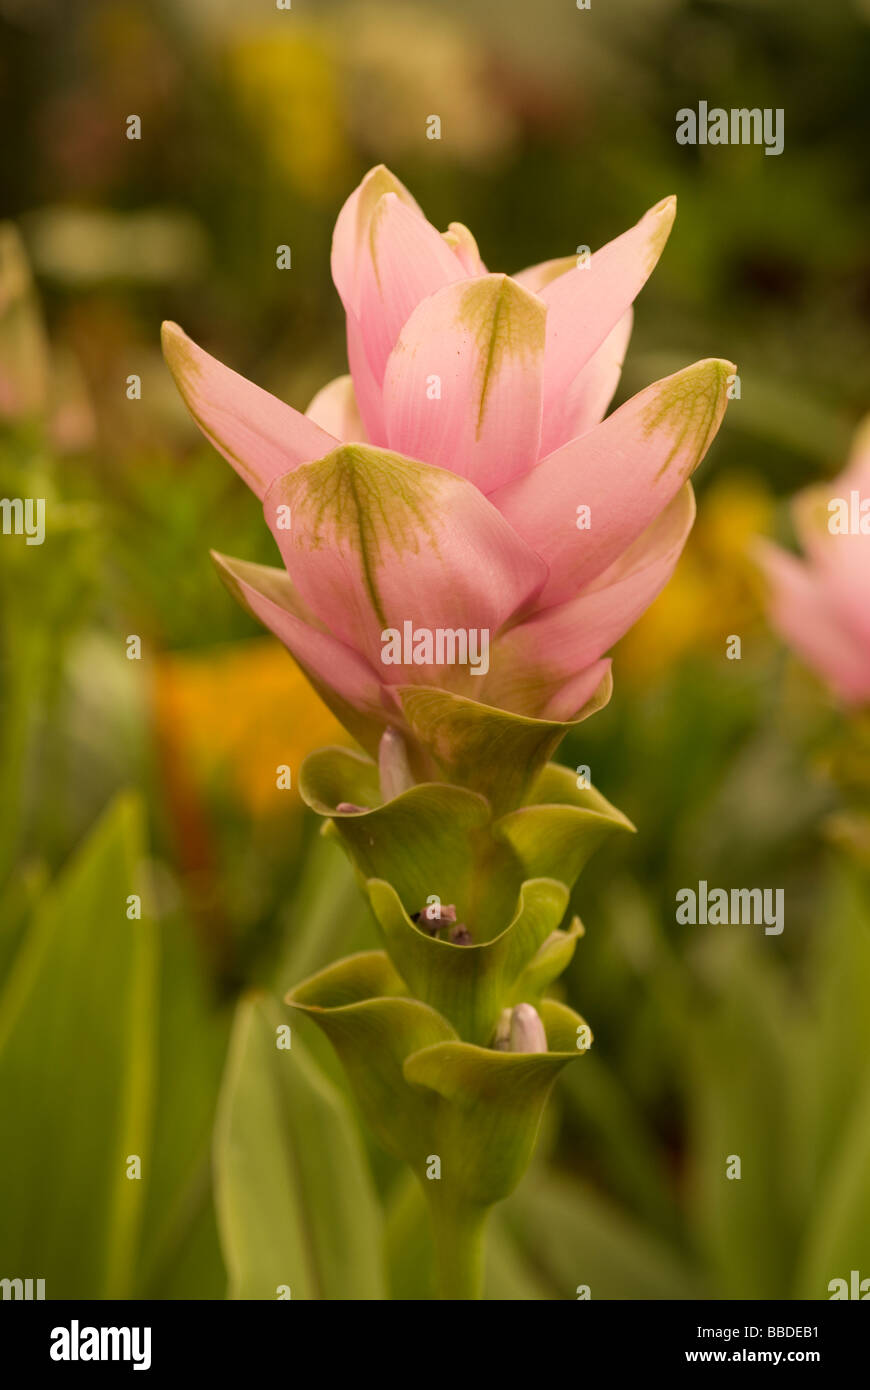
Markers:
point(402, 63)
point(714, 591)
point(235, 714)
point(287, 89)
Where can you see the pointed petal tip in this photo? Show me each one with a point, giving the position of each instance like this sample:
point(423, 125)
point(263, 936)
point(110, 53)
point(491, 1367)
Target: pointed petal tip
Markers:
point(179, 352)
point(717, 370)
point(171, 336)
point(660, 220)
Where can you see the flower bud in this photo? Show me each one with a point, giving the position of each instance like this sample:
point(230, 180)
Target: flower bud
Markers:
point(393, 765)
point(526, 1030)
point(502, 1040)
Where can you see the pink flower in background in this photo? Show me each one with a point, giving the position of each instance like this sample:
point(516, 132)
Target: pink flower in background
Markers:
point(821, 605)
point(462, 478)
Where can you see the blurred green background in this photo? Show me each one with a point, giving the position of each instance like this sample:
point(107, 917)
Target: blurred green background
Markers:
point(557, 130)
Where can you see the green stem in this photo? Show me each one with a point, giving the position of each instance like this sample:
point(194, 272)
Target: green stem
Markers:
point(458, 1237)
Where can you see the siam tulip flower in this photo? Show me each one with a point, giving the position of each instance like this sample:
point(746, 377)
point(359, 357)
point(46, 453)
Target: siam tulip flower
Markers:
point(461, 485)
point(464, 536)
point(821, 605)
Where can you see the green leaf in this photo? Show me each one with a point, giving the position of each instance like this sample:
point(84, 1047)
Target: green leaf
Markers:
point(744, 1096)
point(491, 751)
point(325, 915)
point(575, 1236)
point(613, 1133)
point(840, 1045)
point(77, 1073)
point(469, 985)
point(179, 1245)
point(296, 1205)
point(838, 1238)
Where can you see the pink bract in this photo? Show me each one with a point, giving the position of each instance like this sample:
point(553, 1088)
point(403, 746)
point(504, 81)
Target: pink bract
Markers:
point(462, 477)
point(821, 605)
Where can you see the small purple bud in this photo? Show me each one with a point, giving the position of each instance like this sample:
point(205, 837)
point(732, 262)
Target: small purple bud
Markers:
point(459, 935)
point(435, 916)
point(348, 808)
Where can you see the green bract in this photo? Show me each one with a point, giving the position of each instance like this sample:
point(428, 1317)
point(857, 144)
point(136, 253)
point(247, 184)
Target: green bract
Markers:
point(428, 1094)
point(415, 1023)
point(445, 841)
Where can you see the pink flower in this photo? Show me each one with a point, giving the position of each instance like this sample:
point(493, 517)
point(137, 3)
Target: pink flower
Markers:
point(462, 480)
point(821, 606)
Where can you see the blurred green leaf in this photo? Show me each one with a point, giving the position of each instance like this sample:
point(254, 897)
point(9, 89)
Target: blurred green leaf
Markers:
point(838, 1239)
point(179, 1244)
point(325, 915)
point(576, 1236)
point(77, 1073)
point(295, 1201)
point(746, 1081)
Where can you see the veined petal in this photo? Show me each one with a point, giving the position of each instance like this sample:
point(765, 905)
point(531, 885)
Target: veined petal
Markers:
point(840, 556)
point(587, 303)
point(541, 689)
point(535, 277)
point(350, 243)
point(373, 540)
point(588, 691)
point(343, 679)
point(802, 611)
point(584, 403)
point(464, 247)
point(366, 390)
point(258, 434)
point(625, 471)
point(406, 260)
point(463, 386)
point(547, 651)
point(335, 410)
